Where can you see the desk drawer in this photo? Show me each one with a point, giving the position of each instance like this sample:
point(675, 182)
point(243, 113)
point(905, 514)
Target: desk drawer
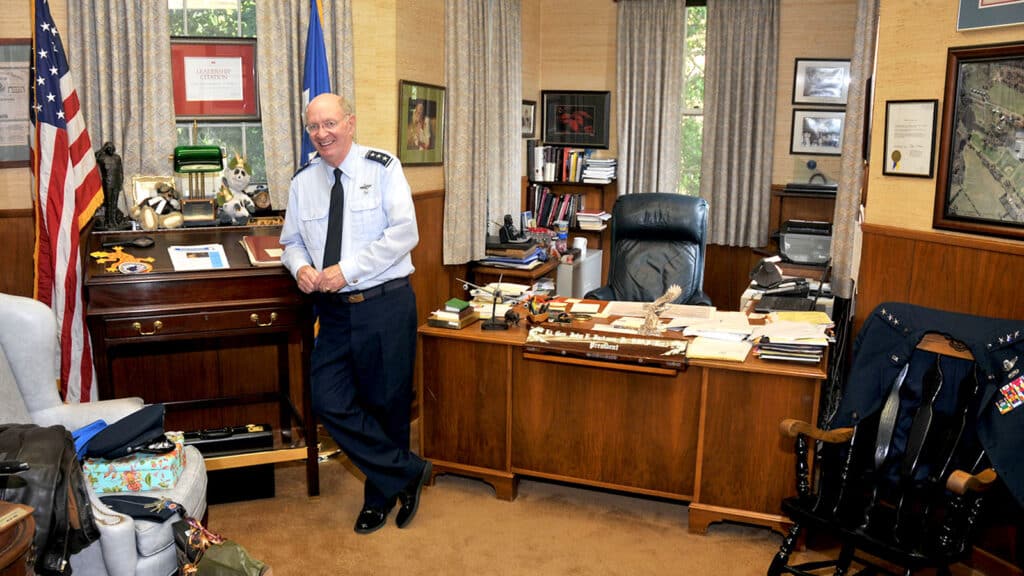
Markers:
point(199, 322)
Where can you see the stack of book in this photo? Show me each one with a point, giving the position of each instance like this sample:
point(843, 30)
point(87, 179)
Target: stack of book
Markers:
point(263, 250)
point(517, 255)
point(456, 314)
point(592, 219)
point(599, 170)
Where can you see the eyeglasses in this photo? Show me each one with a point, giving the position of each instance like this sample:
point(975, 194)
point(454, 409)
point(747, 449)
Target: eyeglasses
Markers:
point(326, 125)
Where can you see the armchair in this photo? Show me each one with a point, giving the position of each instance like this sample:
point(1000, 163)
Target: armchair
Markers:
point(899, 487)
point(28, 377)
point(657, 239)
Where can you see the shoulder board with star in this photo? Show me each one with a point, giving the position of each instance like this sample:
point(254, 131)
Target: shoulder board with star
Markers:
point(304, 166)
point(378, 156)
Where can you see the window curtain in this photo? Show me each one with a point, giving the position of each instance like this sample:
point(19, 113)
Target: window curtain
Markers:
point(281, 49)
point(483, 163)
point(113, 44)
point(650, 59)
point(739, 108)
point(846, 236)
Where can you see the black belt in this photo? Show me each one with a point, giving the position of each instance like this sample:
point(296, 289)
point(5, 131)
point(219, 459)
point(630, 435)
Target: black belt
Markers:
point(358, 296)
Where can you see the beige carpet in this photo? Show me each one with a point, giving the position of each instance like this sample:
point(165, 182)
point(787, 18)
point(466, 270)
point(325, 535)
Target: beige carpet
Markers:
point(461, 528)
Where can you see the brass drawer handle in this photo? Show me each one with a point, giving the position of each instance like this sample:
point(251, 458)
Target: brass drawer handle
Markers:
point(256, 319)
point(137, 326)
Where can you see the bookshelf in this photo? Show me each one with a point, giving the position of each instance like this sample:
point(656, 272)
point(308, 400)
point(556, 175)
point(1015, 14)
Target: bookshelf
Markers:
point(590, 197)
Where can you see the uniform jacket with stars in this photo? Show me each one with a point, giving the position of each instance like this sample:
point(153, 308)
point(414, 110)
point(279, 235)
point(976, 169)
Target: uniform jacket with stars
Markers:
point(888, 340)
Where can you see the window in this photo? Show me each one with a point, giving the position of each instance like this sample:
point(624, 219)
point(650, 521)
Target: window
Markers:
point(693, 101)
point(220, 19)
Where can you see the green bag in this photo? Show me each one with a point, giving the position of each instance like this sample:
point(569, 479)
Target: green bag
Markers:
point(230, 559)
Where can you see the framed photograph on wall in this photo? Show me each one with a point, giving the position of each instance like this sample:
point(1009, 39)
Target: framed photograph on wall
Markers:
point(214, 79)
point(15, 86)
point(976, 14)
point(910, 138)
point(821, 81)
point(817, 132)
point(576, 118)
point(421, 113)
point(979, 177)
point(529, 118)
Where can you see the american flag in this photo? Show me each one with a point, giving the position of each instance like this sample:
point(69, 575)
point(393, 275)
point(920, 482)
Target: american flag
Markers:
point(67, 188)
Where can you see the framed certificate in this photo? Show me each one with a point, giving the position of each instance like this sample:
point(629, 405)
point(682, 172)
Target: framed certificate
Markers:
point(910, 138)
point(15, 56)
point(214, 79)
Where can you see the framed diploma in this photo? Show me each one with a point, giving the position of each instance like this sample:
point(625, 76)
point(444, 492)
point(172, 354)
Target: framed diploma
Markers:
point(215, 79)
point(14, 94)
point(910, 138)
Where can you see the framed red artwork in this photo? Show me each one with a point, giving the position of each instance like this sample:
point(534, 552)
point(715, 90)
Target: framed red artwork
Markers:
point(214, 79)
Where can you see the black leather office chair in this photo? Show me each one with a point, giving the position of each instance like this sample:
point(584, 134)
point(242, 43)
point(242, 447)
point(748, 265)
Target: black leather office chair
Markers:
point(658, 239)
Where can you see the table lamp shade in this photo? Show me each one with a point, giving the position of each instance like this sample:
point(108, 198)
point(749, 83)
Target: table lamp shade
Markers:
point(198, 159)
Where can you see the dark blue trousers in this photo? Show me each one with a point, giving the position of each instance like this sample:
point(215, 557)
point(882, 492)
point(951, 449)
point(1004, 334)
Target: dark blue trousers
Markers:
point(361, 378)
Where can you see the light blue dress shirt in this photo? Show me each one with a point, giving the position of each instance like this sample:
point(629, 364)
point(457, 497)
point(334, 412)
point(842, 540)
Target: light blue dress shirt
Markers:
point(380, 218)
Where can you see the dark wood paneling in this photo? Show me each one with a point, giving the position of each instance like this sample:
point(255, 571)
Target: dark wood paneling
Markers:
point(727, 274)
point(17, 245)
point(940, 270)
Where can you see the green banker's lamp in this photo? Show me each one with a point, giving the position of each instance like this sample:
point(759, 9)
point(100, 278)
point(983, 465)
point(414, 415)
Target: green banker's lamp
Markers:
point(197, 162)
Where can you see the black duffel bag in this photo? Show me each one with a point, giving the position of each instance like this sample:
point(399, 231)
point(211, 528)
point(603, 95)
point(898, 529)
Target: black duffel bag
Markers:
point(54, 487)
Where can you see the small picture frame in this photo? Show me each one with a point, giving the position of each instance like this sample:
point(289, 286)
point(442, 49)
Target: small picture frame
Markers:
point(821, 81)
point(817, 132)
point(144, 187)
point(421, 116)
point(576, 118)
point(910, 138)
point(529, 118)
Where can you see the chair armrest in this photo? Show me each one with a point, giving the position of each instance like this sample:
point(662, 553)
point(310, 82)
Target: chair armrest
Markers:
point(792, 428)
point(74, 416)
point(117, 538)
point(959, 482)
point(600, 293)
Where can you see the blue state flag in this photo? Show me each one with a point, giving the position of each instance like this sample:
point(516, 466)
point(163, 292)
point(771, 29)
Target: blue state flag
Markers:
point(315, 79)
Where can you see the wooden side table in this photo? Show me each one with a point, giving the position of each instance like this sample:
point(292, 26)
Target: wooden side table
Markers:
point(16, 530)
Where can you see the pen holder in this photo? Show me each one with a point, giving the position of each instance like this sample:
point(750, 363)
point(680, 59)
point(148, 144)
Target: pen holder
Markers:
point(537, 318)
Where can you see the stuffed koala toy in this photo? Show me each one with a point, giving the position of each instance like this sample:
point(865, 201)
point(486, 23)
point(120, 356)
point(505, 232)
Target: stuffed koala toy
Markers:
point(235, 204)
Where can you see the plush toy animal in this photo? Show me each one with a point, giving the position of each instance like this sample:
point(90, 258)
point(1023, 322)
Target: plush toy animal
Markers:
point(160, 211)
point(235, 204)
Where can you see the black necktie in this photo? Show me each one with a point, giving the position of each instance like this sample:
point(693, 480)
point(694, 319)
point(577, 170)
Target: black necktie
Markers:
point(332, 248)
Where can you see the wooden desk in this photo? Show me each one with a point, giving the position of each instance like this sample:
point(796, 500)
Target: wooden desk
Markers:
point(219, 347)
point(15, 540)
point(705, 435)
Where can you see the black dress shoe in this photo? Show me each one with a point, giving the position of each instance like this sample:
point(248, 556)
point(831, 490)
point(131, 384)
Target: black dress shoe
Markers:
point(410, 497)
point(370, 520)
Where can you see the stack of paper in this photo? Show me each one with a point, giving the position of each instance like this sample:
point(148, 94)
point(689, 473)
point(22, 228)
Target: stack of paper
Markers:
point(793, 342)
point(712, 349)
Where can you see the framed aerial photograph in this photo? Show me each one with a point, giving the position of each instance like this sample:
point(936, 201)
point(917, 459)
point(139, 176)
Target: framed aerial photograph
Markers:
point(421, 113)
point(15, 59)
point(576, 118)
point(910, 138)
point(529, 118)
point(822, 81)
point(975, 14)
point(214, 79)
point(980, 173)
point(817, 132)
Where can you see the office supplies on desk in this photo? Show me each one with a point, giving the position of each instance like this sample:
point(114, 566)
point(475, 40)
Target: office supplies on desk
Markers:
point(773, 303)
